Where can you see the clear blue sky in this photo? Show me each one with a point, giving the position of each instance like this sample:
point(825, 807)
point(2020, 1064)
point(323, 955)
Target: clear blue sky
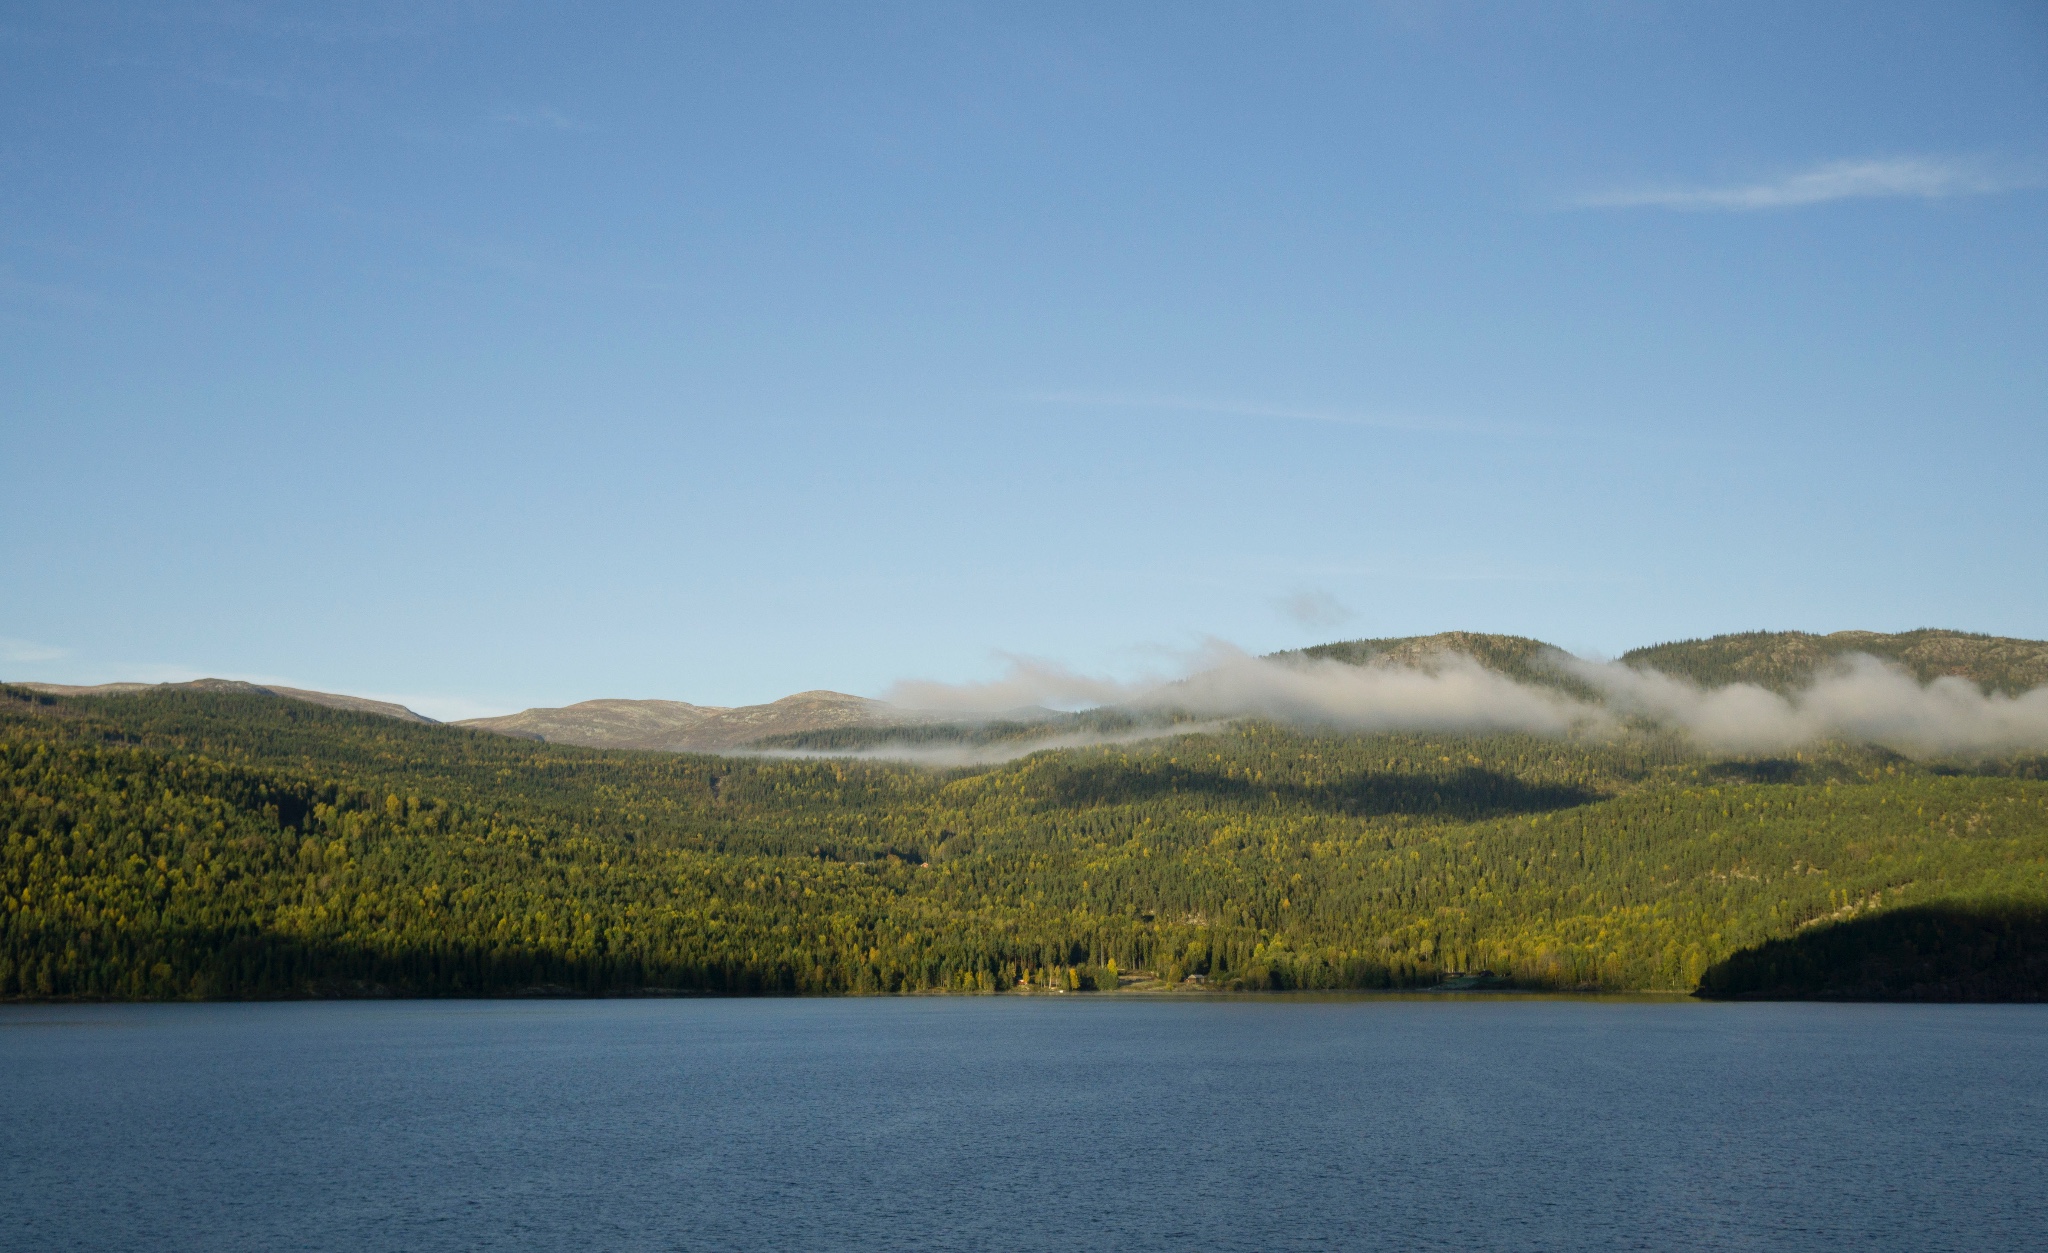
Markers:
point(501, 354)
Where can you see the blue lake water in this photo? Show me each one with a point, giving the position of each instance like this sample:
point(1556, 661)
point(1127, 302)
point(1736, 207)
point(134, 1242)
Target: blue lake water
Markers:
point(1012, 1123)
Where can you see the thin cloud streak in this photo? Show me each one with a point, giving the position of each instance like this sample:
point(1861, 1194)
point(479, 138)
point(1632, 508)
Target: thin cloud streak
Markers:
point(541, 118)
point(1283, 413)
point(1922, 178)
point(28, 651)
point(949, 756)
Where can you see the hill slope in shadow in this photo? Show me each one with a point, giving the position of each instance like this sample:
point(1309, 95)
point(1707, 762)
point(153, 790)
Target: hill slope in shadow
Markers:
point(1934, 952)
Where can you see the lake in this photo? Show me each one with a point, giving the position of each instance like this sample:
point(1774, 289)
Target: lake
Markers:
point(1024, 1123)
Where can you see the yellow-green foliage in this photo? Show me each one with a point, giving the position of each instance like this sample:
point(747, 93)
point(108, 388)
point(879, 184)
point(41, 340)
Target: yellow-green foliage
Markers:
point(184, 844)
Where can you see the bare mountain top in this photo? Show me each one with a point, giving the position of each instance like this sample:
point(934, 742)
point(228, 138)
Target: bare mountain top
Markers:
point(676, 727)
point(332, 700)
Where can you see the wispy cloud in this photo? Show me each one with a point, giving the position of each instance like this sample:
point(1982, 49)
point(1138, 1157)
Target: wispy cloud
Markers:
point(26, 651)
point(1860, 699)
point(1282, 413)
point(540, 118)
point(1220, 681)
point(1314, 608)
point(947, 756)
point(1919, 178)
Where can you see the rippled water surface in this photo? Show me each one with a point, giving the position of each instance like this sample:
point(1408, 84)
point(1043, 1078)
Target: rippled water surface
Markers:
point(1009, 1123)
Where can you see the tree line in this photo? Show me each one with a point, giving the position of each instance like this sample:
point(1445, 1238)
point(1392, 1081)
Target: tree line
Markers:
point(186, 844)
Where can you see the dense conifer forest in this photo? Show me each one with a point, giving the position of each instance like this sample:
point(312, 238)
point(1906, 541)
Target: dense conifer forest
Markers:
point(183, 844)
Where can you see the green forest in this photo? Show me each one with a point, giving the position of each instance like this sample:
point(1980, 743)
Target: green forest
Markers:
point(176, 844)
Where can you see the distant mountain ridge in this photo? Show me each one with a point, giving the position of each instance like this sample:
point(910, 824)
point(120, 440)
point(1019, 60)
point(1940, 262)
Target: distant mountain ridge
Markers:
point(331, 700)
point(1784, 660)
point(1779, 660)
point(677, 727)
point(1516, 656)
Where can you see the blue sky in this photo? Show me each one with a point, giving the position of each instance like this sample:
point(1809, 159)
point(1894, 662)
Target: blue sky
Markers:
point(496, 355)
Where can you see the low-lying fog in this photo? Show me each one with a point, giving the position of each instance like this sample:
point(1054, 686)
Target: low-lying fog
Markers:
point(1861, 699)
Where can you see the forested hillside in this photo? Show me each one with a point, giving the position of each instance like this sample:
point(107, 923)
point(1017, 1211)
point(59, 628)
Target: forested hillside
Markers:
point(333, 700)
point(1779, 660)
point(1957, 950)
point(1785, 660)
point(1520, 658)
point(189, 843)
